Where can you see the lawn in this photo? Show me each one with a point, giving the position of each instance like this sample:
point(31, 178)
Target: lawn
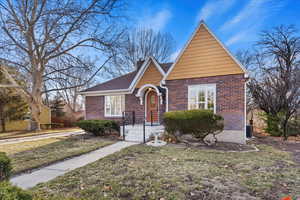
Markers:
point(46, 153)
point(21, 134)
point(24, 146)
point(176, 172)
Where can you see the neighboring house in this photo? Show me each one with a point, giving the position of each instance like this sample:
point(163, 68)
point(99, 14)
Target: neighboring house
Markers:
point(205, 75)
point(25, 125)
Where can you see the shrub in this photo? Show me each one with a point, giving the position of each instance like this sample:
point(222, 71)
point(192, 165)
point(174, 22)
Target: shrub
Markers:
point(199, 123)
point(99, 127)
point(274, 125)
point(294, 127)
point(5, 167)
point(9, 192)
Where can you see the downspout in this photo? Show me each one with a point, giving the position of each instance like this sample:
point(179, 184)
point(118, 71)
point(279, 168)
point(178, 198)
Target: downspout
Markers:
point(246, 76)
point(167, 94)
point(84, 97)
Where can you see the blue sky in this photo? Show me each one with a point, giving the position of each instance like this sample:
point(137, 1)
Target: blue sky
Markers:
point(236, 22)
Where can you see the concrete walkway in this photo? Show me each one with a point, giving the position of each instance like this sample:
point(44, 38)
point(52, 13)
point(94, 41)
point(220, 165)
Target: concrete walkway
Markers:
point(45, 174)
point(39, 137)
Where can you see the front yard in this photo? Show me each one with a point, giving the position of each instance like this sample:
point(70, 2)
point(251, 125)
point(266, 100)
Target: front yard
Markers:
point(34, 154)
point(177, 172)
point(22, 134)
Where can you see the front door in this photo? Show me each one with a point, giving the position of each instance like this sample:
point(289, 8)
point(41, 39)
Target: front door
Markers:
point(152, 107)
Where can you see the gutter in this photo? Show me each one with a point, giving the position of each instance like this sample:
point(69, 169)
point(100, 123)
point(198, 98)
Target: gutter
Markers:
point(167, 93)
point(99, 93)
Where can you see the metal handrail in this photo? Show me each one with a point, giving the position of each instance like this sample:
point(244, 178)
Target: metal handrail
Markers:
point(124, 120)
point(151, 118)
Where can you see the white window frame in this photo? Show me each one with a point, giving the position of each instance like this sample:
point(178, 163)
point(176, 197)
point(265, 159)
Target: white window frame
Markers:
point(206, 102)
point(121, 106)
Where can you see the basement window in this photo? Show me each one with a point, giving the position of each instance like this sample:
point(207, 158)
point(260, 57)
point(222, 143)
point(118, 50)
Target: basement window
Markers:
point(202, 96)
point(114, 105)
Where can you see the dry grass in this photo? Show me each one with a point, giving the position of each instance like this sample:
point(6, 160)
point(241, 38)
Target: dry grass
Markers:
point(54, 151)
point(172, 172)
point(20, 134)
point(25, 146)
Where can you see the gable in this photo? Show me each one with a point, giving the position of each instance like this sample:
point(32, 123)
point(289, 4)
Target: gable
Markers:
point(150, 76)
point(204, 56)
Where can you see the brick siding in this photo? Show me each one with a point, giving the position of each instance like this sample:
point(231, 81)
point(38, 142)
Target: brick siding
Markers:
point(95, 107)
point(229, 99)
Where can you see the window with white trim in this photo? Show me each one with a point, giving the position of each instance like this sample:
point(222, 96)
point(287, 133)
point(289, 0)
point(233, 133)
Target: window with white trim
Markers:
point(202, 97)
point(114, 105)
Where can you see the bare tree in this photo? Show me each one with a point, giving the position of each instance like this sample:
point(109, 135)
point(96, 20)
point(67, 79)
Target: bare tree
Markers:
point(277, 90)
point(247, 59)
point(38, 34)
point(138, 44)
point(74, 79)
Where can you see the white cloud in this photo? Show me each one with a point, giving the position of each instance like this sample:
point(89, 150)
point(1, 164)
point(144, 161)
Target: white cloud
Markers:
point(213, 8)
point(157, 21)
point(174, 55)
point(250, 19)
point(255, 10)
point(236, 38)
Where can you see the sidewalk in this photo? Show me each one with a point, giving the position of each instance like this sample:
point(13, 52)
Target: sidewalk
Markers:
point(45, 174)
point(39, 137)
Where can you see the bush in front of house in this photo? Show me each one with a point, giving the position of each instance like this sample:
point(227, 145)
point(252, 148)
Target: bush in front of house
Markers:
point(9, 192)
point(294, 127)
point(275, 128)
point(198, 123)
point(5, 167)
point(273, 125)
point(99, 127)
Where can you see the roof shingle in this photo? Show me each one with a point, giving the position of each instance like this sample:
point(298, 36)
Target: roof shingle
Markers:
point(122, 82)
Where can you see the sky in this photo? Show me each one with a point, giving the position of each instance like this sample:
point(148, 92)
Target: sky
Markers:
point(237, 23)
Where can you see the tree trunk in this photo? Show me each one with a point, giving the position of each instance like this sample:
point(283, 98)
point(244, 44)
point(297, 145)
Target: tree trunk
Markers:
point(285, 130)
point(35, 113)
point(36, 98)
point(3, 129)
point(2, 119)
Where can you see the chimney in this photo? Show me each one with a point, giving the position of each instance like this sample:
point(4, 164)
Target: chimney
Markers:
point(139, 63)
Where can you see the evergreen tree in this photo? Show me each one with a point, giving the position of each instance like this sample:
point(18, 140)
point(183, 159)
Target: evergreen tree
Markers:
point(12, 106)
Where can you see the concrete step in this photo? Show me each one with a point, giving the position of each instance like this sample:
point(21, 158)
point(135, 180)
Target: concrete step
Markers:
point(135, 133)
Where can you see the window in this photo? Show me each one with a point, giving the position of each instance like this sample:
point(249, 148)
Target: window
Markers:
point(202, 97)
point(152, 99)
point(114, 105)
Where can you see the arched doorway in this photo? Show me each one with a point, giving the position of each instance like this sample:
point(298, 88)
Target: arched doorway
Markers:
point(152, 106)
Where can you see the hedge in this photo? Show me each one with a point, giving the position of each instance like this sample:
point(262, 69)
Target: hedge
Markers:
point(5, 167)
point(99, 127)
point(199, 123)
point(9, 192)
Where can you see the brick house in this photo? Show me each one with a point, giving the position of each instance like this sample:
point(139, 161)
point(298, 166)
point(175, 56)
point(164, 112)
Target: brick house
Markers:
point(205, 75)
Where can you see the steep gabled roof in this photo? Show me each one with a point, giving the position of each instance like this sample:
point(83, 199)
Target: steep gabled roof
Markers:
point(122, 82)
point(199, 55)
point(125, 82)
point(166, 66)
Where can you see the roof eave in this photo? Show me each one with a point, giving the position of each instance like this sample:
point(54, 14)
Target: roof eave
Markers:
point(105, 92)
